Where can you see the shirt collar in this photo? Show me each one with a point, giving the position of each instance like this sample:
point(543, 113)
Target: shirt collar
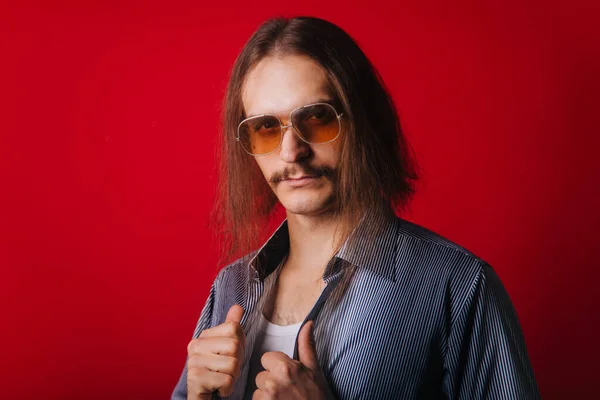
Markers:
point(371, 245)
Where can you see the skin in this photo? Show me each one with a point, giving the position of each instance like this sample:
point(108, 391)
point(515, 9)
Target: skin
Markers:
point(215, 358)
point(277, 85)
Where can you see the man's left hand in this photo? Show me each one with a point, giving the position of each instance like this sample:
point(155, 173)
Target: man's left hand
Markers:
point(285, 378)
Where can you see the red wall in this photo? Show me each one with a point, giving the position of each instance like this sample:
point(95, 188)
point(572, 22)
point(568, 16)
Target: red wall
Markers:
point(109, 116)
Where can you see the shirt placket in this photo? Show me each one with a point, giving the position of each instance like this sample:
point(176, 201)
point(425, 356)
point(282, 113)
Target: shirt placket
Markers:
point(255, 291)
point(331, 277)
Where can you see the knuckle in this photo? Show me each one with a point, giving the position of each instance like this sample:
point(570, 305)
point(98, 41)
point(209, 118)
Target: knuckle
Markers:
point(229, 327)
point(233, 346)
point(263, 358)
point(228, 382)
point(270, 386)
point(260, 375)
point(193, 362)
point(233, 366)
point(197, 346)
point(192, 345)
point(204, 333)
point(223, 366)
point(199, 382)
point(192, 372)
point(284, 368)
point(236, 343)
point(195, 374)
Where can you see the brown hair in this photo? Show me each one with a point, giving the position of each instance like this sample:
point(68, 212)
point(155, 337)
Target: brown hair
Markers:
point(377, 168)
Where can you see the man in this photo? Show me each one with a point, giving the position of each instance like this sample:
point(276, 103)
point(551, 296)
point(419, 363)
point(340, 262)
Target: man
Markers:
point(345, 300)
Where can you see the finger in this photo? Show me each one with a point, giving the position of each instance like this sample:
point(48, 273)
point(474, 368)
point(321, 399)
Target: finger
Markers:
point(227, 328)
point(216, 363)
point(231, 327)
point(266, 382)
point(235, 313)
point(273, 360)
point(202, 381)
point(260, 395)
point(307, 353)
point(225, 346)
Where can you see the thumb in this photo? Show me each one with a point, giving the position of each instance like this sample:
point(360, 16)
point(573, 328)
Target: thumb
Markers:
point(307, 353)
point(235, 313)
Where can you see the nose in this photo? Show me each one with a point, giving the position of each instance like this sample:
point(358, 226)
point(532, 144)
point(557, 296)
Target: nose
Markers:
point(293, 148)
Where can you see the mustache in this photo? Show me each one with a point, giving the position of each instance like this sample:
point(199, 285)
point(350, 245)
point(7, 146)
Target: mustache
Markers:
point(311, 170)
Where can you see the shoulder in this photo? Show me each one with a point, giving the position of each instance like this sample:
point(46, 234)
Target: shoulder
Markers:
point(427, 238)
point(235, 271)
point(442, 274)
point(436, 260)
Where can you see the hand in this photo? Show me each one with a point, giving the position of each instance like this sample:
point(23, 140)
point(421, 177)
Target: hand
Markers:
point(285, 378)
point(215, 358)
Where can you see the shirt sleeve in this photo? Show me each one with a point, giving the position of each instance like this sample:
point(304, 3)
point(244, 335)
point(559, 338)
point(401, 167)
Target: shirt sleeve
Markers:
point(204, 322)
point(486, 357)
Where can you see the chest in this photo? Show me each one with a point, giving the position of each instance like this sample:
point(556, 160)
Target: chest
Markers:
point(387, 334)
point(292, 298)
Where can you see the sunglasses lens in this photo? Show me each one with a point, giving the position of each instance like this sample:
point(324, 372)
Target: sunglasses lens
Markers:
point(260, 135)
point(316, 123)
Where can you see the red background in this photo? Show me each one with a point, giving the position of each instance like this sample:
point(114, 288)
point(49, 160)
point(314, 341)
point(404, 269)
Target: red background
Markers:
point(109, 117)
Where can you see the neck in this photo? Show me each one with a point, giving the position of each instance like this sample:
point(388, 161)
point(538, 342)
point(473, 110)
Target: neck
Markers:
point(313, 241)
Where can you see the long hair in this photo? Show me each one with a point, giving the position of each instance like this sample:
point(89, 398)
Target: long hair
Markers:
point(377, 169)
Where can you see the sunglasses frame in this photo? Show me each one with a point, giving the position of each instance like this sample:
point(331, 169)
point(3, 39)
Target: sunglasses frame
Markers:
point(291, 125)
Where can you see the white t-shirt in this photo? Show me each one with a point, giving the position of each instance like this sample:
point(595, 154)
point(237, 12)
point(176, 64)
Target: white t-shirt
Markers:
point(269, 337)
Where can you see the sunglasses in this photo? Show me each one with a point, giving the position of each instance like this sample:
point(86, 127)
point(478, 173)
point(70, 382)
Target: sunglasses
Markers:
point(315, 123)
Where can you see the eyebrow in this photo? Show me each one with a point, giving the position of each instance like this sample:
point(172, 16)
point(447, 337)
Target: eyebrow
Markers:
point(331, 101)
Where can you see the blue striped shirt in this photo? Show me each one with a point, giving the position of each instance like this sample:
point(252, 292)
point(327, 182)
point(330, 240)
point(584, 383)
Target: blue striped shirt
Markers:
point(420, 317)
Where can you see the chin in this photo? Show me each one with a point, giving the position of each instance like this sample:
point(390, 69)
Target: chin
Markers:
point(306, 205)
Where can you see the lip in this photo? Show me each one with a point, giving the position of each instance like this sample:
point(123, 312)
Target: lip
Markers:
point(300, 181)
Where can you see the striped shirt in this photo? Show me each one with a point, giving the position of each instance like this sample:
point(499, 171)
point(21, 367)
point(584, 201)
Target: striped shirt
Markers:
point(420, 317)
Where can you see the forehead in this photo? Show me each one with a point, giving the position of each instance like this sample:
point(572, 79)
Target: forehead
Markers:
point(278, 84)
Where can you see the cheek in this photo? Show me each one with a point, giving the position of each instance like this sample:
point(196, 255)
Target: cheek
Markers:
point(329, 154)
point(264, 165)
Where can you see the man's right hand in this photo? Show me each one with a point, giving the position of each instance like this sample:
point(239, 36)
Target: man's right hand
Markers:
point(215, 358)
